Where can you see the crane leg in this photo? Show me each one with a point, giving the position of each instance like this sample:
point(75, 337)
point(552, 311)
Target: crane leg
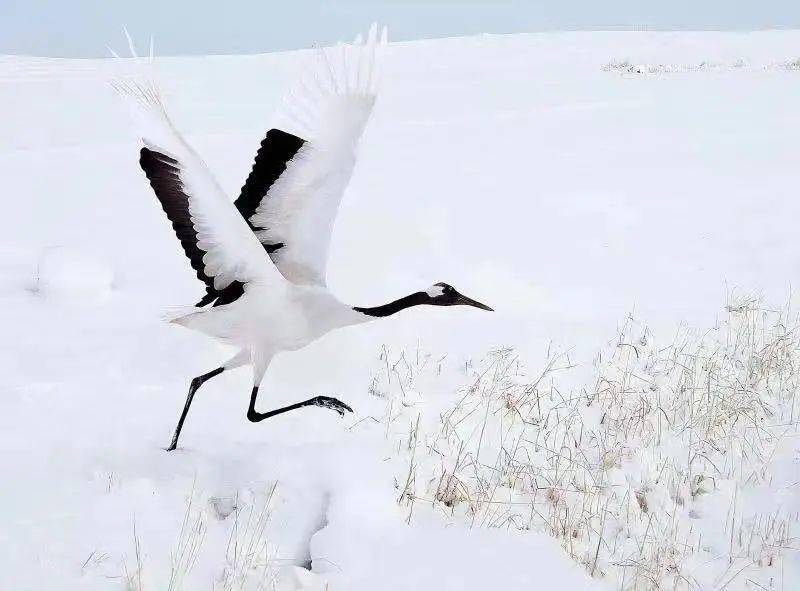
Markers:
point(323, 401)
point(193, 387)
point(238, 360)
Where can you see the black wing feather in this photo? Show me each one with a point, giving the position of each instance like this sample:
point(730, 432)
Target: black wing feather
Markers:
point(276, 151)
point(163, 172)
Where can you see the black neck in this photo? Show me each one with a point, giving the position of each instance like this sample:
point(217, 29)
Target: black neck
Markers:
point(415, 299)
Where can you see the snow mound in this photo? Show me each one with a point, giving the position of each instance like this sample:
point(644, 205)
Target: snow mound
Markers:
point(64, 272)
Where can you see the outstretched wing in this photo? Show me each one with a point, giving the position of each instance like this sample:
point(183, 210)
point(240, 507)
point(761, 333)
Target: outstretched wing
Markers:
point(292, 195)
point(277, 149)
point(218, 243)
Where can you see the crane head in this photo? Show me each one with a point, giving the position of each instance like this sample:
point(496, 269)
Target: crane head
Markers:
point(443, 294)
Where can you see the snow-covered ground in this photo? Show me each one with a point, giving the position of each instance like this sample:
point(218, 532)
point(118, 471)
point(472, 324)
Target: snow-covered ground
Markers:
point(565, 179)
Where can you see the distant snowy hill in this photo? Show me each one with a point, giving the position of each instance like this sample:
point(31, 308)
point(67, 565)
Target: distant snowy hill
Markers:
point(567, 180)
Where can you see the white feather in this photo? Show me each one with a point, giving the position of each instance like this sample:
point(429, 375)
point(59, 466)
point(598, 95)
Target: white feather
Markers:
point(329, 108)
point(435, 291)
point(232, 250)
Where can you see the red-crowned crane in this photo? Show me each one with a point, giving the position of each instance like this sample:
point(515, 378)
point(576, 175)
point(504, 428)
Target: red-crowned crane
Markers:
point(263, 257)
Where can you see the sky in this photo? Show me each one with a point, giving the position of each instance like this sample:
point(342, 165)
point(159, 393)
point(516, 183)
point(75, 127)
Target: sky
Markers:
point(84, 28)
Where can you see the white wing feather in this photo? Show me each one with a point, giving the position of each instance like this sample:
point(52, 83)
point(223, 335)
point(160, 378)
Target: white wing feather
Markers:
point(329, 109)
point(232, 252)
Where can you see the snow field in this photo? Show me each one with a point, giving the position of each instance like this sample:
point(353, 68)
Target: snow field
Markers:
point(519, 170)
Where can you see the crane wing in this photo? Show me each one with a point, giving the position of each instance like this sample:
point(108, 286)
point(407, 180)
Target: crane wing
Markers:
point(292, 195)
point(217, 241)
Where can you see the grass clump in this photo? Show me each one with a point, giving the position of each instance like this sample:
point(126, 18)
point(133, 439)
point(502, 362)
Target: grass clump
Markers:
point(662, 473)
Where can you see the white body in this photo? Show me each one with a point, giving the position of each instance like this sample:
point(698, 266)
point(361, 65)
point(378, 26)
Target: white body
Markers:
point(267, 320)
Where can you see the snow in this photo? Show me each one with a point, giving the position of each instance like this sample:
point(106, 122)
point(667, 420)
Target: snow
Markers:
point(65, 272)
point(523, 170)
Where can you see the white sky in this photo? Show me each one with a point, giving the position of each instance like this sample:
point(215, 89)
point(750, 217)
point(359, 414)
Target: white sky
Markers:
point(83, 28)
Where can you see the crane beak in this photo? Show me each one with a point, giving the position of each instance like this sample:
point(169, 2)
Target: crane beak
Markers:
point(463, 300)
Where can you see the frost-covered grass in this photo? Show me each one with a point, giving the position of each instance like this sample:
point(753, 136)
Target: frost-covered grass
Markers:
point(626, 67)
point(793, 64)
point(247, 563)
point(673, 469)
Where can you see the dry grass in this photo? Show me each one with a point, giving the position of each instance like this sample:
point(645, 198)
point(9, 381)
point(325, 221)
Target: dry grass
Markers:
point(247, 563)
point(650, 476)
point(249, 555)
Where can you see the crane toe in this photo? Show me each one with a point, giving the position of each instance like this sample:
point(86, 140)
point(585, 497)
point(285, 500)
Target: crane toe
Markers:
point(331, 403)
